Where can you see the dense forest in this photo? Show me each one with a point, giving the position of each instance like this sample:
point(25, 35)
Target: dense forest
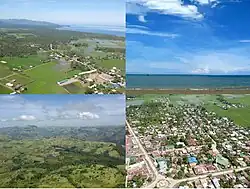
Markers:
point(62, 157)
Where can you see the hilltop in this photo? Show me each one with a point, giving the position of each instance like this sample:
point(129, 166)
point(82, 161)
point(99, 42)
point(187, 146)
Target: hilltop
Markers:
point(5, 23)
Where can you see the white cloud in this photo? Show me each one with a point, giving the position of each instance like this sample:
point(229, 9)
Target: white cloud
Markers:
point(174, 60)
point(141, 18)
point(144, 32)
point(88, 115)
point(171, 7)
point(245, 41)
point(201, 71)
point(204, 2)
point(26, 117)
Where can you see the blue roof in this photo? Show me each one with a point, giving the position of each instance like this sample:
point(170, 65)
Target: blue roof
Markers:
point(192, 160)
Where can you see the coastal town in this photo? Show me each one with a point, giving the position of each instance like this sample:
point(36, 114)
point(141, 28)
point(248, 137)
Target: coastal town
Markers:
point(184, 145)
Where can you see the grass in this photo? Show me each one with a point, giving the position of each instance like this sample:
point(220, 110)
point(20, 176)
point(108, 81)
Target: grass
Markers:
point(46, 78)
point(240, 116)
point(75, 88)
point(4, 71)
point(4, 90)
point(24, 63)
point(23, 80)
point(113, 63)
point(39, 80)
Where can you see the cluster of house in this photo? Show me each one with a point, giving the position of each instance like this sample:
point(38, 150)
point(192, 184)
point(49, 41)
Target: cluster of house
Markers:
point(135, 163)
point(227, 105)
point(116, 56)
point(17, 87)
point(230, 180)
point(173, 133)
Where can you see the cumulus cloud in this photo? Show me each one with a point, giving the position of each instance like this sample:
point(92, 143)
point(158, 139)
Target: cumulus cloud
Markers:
point(26, 118)
point(88, 115)
point(171, 7)
point(62, 110)
point(141, 18)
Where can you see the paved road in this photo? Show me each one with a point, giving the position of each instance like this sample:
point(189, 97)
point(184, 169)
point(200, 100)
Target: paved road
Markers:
point(206, 175)
point(148, 160)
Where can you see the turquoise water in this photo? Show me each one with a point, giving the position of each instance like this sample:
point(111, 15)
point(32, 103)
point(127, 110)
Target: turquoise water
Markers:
point(186, 81)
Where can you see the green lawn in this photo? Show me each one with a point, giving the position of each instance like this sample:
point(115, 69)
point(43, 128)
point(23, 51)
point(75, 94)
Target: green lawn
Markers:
point(46, 78)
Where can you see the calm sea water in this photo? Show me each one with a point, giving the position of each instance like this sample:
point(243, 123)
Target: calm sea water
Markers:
point(186, 81)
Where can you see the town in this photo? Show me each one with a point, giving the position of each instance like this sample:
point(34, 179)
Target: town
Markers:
point(175, 144)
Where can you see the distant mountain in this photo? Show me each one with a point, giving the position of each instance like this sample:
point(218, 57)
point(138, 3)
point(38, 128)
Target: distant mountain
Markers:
point(27, 23)
point(114, 134)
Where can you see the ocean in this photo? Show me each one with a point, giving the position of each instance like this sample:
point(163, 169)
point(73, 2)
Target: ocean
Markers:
point(94, 29)
point(187, 81)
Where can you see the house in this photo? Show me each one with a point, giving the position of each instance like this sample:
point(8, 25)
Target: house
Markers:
point(200, 169)
point(222, 161)
point(210, 168)
point(216, 182)
point(192, 161)
point(191, 142)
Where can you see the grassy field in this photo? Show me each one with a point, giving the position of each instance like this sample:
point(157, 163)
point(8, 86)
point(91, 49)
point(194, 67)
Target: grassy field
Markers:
point(75, 88)
point(24, 63)
point(113, 63)
point(46, 79)
point(22, 79)
point(4, 90)
point(60, 162)
point(4, 70)
point(240, 116)
point(41, 79)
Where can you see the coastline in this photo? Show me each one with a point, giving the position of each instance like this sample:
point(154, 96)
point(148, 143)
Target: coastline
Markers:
point(137, 91)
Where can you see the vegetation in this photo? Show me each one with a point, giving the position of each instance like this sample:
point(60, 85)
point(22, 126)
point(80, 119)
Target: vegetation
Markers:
point(61, 157)
point(37, 56)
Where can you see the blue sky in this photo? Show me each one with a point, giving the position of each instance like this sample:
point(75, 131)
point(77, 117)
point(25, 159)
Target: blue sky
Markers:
point(188, 37)
point(62, 110)
point(94, 12)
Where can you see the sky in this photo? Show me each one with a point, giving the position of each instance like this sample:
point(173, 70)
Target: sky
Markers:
point(188, 37)
point(84, 12)
point(62, 110)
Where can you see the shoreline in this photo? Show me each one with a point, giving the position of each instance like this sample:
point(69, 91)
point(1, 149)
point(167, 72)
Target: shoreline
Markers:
point(242, 90)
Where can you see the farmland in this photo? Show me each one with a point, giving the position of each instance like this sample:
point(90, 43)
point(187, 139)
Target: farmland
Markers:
point(235, 106)
point(34, 60)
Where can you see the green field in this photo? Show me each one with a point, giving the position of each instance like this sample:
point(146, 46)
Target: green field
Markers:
point(240, 116)
point(75, 88)
point(24, 63)
point(41, 79)
point(120, 64)
point(4, 70)
point(22, 79)
point(4, 90)
point(46, 78)
point(59, 162)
